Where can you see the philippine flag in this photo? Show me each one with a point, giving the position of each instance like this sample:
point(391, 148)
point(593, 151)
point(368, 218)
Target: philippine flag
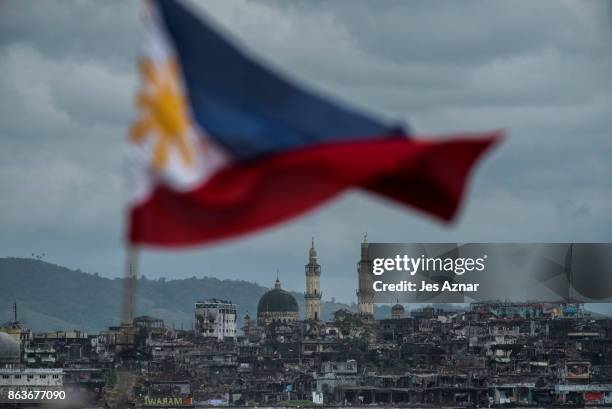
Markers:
point(223, 146)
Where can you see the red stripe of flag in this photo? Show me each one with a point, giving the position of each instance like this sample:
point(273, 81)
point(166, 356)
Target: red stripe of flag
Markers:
point(429, 175)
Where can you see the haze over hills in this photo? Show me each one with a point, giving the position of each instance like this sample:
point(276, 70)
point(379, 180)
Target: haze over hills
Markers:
point(52, 297)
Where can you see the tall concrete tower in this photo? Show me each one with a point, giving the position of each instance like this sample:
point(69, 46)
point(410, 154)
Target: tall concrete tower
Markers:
point(312, 296)
point(365, 292)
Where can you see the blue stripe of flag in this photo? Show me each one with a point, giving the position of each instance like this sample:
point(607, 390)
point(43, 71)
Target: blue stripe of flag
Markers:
point(245, 107)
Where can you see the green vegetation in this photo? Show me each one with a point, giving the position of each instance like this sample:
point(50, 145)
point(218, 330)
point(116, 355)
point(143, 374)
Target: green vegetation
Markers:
point(52, 297)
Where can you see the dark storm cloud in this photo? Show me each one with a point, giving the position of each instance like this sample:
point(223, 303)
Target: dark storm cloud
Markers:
point(78, 30)
point(462, 32)
point(538, 69)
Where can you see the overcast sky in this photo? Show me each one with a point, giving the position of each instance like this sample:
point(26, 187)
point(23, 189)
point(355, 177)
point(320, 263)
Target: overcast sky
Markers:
point(541, 70)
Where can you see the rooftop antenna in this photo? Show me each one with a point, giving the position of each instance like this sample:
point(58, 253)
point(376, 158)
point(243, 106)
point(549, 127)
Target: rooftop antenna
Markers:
point(365, 237)
point(15, 311)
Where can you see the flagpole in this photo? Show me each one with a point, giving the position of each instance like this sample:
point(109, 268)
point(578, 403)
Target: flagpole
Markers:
point(129, 285)
point(121, 393)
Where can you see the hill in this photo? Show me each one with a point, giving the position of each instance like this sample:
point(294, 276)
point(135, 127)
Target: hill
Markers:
point(52, 297)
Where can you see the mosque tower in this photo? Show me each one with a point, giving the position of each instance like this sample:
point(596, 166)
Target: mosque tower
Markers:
point(365, 292)
point(397, 311)
point(312, 296)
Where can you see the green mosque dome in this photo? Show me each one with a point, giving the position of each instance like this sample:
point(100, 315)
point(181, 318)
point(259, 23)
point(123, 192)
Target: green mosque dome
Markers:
point(277, 300)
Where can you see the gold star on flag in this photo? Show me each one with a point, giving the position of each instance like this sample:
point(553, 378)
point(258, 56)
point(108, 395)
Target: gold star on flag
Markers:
point(164, 113)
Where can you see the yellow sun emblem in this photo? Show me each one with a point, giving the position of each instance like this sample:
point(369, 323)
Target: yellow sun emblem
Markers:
point(164, 113)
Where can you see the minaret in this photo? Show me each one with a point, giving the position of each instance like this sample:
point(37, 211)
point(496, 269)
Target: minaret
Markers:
point(397, 311)
point(312, 296)
point(365, 292)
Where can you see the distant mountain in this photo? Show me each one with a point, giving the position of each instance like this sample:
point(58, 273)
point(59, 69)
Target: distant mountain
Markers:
point(52, 297)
